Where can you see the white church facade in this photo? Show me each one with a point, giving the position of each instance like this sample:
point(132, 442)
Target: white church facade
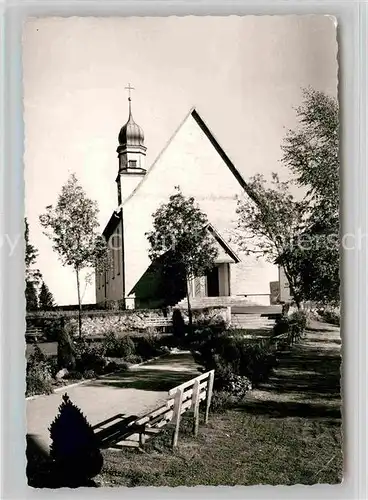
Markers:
point(193, 160)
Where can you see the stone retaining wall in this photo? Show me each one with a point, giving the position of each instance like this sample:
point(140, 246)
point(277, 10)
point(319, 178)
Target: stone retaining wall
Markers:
point(98, 323)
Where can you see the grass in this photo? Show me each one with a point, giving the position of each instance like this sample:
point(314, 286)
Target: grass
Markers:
point(235, 448)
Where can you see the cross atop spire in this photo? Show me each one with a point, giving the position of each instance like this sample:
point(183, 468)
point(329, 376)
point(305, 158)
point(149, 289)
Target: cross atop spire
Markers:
point(129, 88)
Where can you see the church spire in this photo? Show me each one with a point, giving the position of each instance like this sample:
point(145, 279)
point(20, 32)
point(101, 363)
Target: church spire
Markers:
point(131, 134)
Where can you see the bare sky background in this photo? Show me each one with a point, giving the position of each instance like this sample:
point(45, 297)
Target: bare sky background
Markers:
point(244, 75)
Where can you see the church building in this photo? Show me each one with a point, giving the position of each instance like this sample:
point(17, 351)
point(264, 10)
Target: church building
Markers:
point(193, 160)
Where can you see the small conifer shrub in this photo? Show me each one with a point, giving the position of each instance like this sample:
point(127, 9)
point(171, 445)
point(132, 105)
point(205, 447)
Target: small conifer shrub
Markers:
point(74, 449)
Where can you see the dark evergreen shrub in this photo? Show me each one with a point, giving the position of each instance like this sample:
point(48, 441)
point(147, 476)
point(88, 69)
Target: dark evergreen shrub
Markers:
point(178, 324)
point(74, 447)
point(281, 327)
point(66, 351)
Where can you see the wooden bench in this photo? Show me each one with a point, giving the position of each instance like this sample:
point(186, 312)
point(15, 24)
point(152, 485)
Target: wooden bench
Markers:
point(125, 432)
point(159, 323)
point(33, 334)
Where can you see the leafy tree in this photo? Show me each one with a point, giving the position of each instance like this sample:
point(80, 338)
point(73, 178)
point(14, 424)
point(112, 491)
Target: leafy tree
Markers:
point(33, 275)
point(271, 226)
point(311, 152)
point(301, 236)
point(72, 226)
point(45, 298)
point(180, 240)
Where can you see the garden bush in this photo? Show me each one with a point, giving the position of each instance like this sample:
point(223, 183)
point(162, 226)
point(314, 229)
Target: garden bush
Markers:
point(281, 326)
point(298, 324)
point(89, 374)
point(209, 318)
point(89, 357)
point(74, 375)
point(222, 400)
point(231, 355)
point(147, 347)
point(330, 316)
point(238, 385)
point(112, 366)
point(134, 359)
point(53, 366)
point(37, 356)
point(118, 347)
point(289, 329)
point(38, 378)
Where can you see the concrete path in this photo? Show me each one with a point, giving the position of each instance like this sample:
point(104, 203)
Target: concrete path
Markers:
point(133, 392)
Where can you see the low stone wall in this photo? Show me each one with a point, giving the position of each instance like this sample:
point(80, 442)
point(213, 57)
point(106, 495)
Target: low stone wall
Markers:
point(94, 323)
point(119, 322)
point(98, 323)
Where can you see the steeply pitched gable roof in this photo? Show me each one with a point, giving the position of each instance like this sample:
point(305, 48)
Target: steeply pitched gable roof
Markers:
point(199, 120)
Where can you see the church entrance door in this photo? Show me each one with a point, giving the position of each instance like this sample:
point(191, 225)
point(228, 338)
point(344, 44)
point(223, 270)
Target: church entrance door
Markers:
point(213, 285)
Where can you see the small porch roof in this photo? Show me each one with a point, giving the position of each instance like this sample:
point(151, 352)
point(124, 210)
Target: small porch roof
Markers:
point(227, 254)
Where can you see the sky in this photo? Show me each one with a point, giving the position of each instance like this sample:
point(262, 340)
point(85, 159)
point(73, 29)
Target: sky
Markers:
point(243, 74)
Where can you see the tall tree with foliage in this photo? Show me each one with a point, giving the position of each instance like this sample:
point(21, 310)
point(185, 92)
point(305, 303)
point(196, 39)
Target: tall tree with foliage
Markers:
point(311, 152)
point(45, 298)
point(301, 236)
point(271, 222)
point(33, 274)
point(72, 226)
point(181, 241)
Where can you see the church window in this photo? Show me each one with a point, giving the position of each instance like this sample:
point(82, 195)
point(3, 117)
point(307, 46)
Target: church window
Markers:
point(133, 163)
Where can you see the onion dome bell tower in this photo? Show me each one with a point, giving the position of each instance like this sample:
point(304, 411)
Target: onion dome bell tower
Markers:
point(131, 153)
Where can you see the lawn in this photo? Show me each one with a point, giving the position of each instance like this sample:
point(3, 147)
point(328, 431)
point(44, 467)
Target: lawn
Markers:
point(235, 448)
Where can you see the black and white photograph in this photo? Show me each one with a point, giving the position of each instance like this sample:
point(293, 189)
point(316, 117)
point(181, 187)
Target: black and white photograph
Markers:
point(182, 249)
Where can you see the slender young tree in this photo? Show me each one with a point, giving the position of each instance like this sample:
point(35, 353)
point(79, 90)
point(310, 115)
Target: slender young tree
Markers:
point(181, 241)
point(72, 227)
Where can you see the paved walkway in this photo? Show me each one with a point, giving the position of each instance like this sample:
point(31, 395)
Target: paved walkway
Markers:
point(131, 393)
point(306, 381)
